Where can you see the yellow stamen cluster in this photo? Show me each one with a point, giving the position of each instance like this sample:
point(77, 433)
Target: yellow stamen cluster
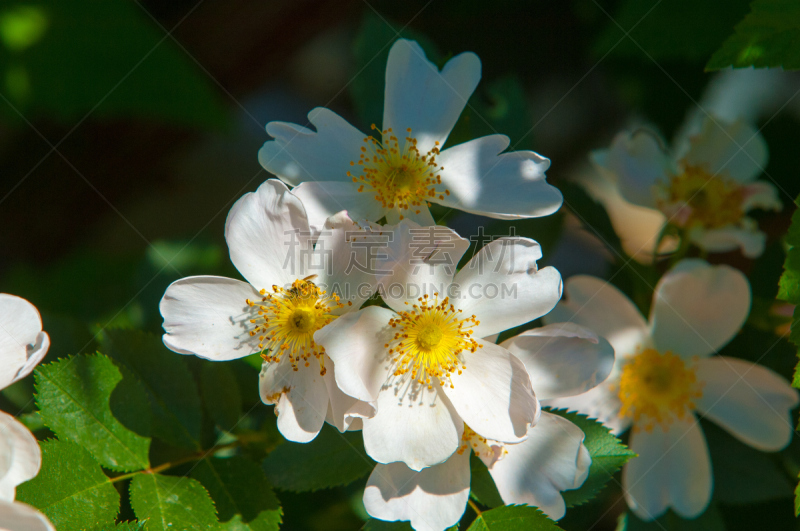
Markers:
point(481, 446)
point(429, 339)
point(286, 320)
point(397, 173)
point(715, 201)
point(657, 388)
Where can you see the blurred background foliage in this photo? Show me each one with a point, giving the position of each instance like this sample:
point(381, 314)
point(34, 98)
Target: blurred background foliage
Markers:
point(128, 128)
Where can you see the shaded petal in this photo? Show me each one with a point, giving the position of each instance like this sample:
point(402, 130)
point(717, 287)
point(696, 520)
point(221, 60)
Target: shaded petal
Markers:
point(420, 261)
point(599, 306)
point(423, 218)
point(26, 457)
point(420, 97)
point(209, 317)
point(22, 342)
point(761, 194)
point(601, 403)
point(697, 308)
point(343, 409)
point(503, 186)
point(673, 470)
point(750, 240)
point(266, 231)
point(493, 395)
point(750, 401)
point(413, 424)
point(552, 459)
point(432, 500)
point(503, 286)
point(299, 154)
point(737, 150)
point(355, 342)
point(324, 199)
point(638, 163)
point(562, 359)
point(18, 516)
point(300, 398)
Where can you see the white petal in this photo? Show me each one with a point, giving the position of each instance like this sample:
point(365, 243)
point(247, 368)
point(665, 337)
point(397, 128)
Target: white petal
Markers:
point(324, 199)
point(638, 227)
point(209, 317)
point(697, 308)
point(424, 218)
point(422, 98)
point(504, 186)
point(562, 359)
point(299, 154)
point(18, 516)
point(503, 286)
point(736, 150)
point(602, 308)
point(413, 424)
point(750, 401)
point(601, 403)
point(432, 500)
point(26, 457)
point(301, 398)
point(673, 470)
point(761, 194)
point(355, 342)
point(552, 459)
point(343, 409)
point(638, 163)
point(266, 231)
point(751, 241)
point(22, 342)
point(342, 260)
point(493, 394)
point(420, 261)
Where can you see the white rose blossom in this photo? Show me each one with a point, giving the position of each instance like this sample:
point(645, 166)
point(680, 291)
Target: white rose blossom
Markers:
point(665, 374)
point(297, 283)
point(423, 362)
point(403, 168)
point(23, 344)
point(705, 189)
point(561, 360)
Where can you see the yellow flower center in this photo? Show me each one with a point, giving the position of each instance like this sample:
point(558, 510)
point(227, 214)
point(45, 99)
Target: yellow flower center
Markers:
point(657, 388)
point(397, 173)
point(714, 201)
point(286, 319)
point(429, 339)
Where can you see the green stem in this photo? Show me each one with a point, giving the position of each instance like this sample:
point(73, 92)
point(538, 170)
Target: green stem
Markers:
point(475, 507)
point(680, 253)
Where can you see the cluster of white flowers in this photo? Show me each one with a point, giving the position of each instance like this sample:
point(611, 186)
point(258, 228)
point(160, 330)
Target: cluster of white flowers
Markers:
point(423, 377)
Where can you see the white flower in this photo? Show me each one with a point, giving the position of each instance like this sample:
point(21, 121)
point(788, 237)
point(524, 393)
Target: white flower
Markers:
point(296, 284)
point(398, 172)
point(705, 189)
point(423, 363)
point(562, 360)
point(23, 344)
point(663, 374)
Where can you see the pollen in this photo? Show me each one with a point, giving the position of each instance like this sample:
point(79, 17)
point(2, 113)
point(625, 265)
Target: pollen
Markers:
point(286, 319)
point(696, 198)
point(657, 389)
point(482, 447)
point(429, 340)
point(397, 173)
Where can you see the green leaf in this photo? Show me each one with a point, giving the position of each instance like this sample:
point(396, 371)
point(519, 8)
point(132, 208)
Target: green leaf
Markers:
point(513, 518)
point(766, 37)
point(241, 492)
point(169, 503)
point(221, 394)
point(73, 395)
point(668, 29)
point(122, 526)
point(481, 486)
point(330, 460)
point(371, 49)
point(711, 520)
point(374, 524)
point(71, 488)
point(109, 57)
point(607, 452)
point(174, 400)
